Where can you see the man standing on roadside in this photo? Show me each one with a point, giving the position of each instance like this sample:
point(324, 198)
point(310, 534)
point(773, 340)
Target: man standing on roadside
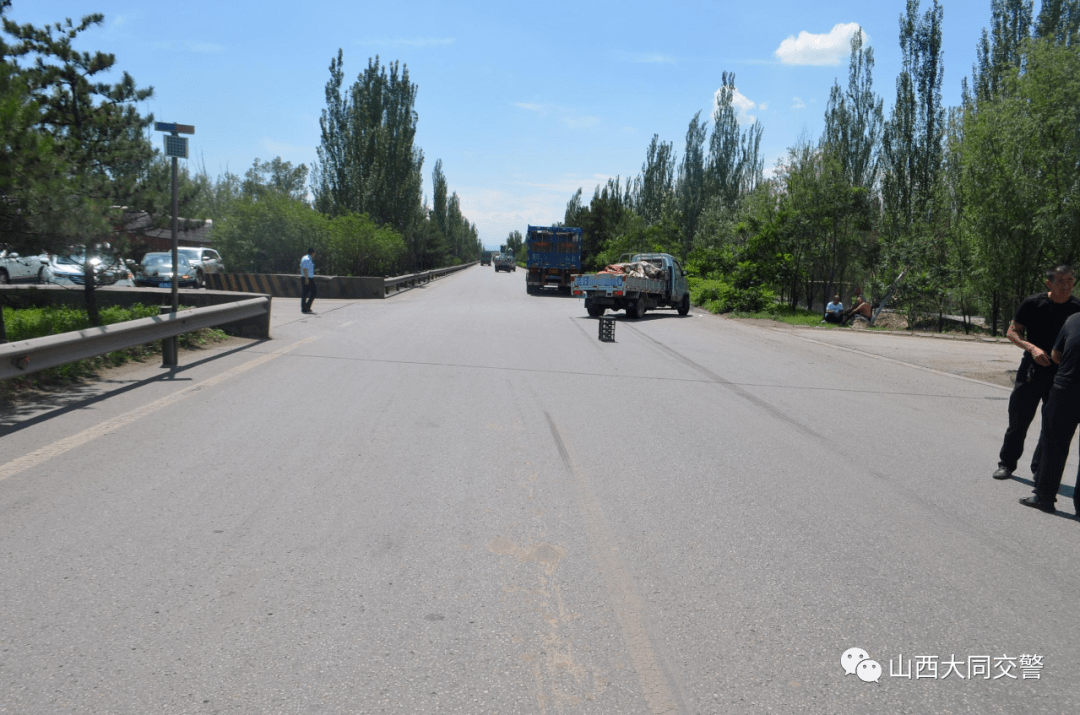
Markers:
point(1034, 330)
point(1061, 414)
point(307, 279)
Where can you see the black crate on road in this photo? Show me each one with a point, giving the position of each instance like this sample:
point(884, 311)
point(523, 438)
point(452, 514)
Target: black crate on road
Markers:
point(607, 329)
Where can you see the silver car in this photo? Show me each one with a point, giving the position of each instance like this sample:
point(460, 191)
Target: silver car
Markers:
point(204, 260)
point(20, 269)
point(70, 269)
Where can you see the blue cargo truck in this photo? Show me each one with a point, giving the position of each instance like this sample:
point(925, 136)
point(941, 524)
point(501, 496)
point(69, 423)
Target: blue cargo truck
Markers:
point(553, 257)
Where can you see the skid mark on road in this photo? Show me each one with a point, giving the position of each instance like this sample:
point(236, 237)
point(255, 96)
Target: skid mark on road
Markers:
point(77, 440)
point(775, 412)
point(656, 686)
point(562, 679)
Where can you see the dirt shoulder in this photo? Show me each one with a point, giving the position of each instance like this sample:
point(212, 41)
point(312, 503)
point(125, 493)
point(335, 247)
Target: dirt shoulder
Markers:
point(991, 360)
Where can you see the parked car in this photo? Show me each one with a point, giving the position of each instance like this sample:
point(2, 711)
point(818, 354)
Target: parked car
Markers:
point(204, 260)
point(157, 271)
point(20, 269)
point(70, 269)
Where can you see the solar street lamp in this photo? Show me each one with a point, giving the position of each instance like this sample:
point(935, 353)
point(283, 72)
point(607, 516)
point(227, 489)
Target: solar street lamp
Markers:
point(176, 147)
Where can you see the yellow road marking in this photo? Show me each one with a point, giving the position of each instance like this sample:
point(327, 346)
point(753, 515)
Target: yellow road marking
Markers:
point(69, 443)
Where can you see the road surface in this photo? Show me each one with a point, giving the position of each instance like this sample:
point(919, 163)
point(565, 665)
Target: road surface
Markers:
point(458, 500)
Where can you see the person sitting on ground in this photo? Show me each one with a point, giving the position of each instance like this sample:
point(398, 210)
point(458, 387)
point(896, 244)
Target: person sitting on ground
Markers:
point(834, 311)
point(859, 307)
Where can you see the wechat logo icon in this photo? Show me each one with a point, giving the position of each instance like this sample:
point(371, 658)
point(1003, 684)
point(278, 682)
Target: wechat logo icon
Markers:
point(858, 661)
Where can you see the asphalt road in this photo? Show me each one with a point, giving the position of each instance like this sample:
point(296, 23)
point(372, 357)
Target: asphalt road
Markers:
point(458, 500)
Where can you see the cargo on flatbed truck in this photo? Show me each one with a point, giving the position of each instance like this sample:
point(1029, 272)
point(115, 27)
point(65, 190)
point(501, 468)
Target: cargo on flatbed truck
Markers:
point(636, 294)
point(553, 257)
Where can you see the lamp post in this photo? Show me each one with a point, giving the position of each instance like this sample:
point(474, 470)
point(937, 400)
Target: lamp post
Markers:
point(176, 147)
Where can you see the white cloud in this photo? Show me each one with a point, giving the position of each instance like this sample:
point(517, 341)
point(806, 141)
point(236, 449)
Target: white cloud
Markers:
point(763, 106)
point(742, 105)
point(205, 48)
point(567, 116)
point(410, 42)
point(826, 49)
point(285, 150)
point(652, 58)
point(523, 201)
point(797, 103)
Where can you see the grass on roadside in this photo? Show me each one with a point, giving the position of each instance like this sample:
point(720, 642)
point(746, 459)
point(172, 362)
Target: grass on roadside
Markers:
point(791, 316)
point(28, 323)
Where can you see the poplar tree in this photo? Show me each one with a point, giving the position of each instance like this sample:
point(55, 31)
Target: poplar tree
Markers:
point(854, 119)
point(1001, 48)
point(912, 140)
point(690, 189)
point(367, 160)
point(438, 182)
point(655, 187)
point(734, 164)
point(1059, 22)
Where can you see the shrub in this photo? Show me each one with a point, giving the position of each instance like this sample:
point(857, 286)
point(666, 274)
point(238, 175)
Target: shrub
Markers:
point(719, 296)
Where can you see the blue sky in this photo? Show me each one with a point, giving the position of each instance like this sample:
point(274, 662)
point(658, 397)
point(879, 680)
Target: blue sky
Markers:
point(524, 103)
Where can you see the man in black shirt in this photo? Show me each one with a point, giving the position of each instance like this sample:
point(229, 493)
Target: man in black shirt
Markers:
point(1061, 414)
point(1034, 330)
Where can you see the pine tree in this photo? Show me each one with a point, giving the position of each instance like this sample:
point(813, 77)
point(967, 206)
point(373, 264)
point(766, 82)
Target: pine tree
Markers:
point(96, 131)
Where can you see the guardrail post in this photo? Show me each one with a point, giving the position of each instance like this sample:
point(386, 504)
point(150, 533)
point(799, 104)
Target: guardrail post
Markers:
point(169, 346)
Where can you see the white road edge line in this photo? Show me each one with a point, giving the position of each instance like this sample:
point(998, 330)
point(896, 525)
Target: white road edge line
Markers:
point(889, 359)
point(69, 443)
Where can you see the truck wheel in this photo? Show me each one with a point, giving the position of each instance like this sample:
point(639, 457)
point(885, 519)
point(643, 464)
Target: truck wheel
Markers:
point(595, 311)
point(636, 309)
point(684, 306)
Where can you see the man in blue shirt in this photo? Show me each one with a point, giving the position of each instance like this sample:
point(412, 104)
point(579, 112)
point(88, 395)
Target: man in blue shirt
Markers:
point(307, 279)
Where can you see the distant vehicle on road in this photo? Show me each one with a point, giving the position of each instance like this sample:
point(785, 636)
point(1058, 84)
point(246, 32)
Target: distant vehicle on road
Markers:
point(20, 269)
point(505, 261)
point(70, 268)
point(553, 257)
point(640, 282)
point(485, 257)
point(204, 261)
point(157, 271)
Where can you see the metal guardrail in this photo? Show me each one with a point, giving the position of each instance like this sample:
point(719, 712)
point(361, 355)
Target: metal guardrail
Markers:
point(29, 356)
point(330, 287)
point(393, 285)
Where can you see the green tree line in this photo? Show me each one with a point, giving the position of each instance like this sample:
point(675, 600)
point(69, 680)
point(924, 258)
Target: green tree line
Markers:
point(962, 208)
point(75, 148)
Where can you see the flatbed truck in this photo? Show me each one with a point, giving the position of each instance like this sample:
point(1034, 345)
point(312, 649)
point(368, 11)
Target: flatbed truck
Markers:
point(634, 294)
